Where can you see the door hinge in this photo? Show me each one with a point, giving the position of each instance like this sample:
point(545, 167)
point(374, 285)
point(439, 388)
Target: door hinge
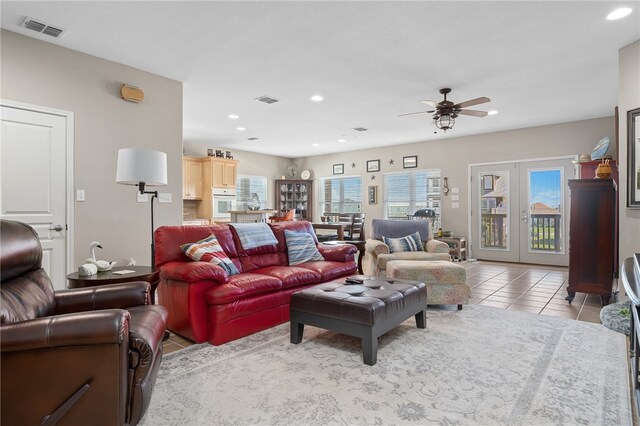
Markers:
point(66, 227)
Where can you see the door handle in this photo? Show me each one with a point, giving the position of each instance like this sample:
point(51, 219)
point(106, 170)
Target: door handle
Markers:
point(57, 228)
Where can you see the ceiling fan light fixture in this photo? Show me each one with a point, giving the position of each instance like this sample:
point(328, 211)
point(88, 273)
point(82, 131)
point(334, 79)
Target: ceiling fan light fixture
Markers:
point(445, 122)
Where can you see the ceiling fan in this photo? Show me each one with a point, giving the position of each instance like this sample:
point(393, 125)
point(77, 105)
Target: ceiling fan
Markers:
point(445, 111)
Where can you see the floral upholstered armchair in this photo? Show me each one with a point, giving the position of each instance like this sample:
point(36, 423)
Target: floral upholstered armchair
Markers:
point(377, 253)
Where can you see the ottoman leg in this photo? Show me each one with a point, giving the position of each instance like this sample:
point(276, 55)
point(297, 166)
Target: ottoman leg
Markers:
point(296, 332)
point(459, 307)
point(370, 350)
point(421, 319)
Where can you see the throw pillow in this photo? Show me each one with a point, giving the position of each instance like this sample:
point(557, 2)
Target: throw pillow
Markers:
point(301, 247)
point(210, 250)
point(409, 243)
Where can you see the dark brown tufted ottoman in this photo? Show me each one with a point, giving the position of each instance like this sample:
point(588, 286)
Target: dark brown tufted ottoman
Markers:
point(366, 310)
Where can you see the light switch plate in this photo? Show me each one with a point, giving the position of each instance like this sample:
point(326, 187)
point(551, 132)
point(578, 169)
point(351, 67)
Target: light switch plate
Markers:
point(455, 205)
point(80, 195)
point(164, 197)
point(142, 198)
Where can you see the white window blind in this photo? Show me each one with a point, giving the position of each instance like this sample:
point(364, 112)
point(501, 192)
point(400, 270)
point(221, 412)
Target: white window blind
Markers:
point(340, 194)
point(246, 187)
point(407, 192)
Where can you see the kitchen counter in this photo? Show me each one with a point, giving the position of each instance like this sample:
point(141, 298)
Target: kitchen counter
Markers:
point(250, 216)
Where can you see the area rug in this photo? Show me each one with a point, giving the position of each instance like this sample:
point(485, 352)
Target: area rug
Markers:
point(478, 366)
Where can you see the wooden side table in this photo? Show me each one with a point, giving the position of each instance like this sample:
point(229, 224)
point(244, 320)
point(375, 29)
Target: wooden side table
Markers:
point(457, 246)
point(142, 273)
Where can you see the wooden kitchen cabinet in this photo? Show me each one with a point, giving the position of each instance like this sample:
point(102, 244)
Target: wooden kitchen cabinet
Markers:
point(592, 237)
point(192, 188)
point(223, 173)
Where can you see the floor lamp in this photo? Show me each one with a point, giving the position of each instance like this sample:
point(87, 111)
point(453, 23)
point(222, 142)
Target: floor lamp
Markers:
point(142, 168)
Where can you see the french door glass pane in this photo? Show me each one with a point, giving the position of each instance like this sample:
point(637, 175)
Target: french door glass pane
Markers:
point(494, 210)
point(545, 216)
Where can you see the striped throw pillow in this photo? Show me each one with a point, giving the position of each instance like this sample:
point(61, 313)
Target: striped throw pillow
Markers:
point(209, 250)
point(301, 247)
point(409, 243)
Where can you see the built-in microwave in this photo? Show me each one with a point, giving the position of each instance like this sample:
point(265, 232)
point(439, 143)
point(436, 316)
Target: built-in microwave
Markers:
point(224, 200)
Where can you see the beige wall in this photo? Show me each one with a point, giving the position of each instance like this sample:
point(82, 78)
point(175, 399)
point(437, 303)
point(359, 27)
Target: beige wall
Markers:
point(628, 99)
point(249, 163)
point(452, 157)
point(46, 75)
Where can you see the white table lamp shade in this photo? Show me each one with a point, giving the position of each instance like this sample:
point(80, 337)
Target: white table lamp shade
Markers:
point(137, 165)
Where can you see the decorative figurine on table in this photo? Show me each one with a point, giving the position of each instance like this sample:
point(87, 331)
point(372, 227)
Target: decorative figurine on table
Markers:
point(91, 265)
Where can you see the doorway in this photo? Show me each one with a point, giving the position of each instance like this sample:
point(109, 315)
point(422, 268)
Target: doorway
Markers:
point(519, 211)
point(36, 161)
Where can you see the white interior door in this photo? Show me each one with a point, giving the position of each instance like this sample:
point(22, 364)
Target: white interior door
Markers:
point(33, 170)
point(519, 211)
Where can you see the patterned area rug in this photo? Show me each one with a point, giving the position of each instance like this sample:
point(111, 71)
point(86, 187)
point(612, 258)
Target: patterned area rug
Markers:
point(476, 366)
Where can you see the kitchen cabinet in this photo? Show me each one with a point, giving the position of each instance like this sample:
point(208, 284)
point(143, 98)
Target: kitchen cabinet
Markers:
point(591, 237)
point(297, 195)
point(192, 188)
point(223, 173)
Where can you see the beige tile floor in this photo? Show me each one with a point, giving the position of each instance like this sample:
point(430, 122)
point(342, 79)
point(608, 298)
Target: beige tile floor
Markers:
point(516, 287)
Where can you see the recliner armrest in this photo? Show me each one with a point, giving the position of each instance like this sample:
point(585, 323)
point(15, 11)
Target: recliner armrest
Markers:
point(376, 247)
point(435, 246)
point(110, 296)
point(193, 271)
point(338, 252)
point(78, 329)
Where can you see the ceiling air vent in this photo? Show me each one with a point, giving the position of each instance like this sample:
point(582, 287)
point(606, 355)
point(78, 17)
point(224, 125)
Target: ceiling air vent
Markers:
point(38, 26)
point(252, 139)
point(360, 129)
point(266, 100)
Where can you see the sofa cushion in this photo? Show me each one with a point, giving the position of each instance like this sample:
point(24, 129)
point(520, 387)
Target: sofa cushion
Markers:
point(291, 276)
point(301, 247)
point(209, 250)
point(330, 270)
point(241, 286)
point(410, 242)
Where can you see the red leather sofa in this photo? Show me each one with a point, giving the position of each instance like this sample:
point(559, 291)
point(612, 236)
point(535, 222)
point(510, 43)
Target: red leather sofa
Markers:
point(206, 304)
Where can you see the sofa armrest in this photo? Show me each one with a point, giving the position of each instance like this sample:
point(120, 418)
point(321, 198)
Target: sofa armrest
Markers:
point(337, 252)
point(376, 247)
point(435, 246)
point(193, 271)
point(78, 329)
point(111, 296)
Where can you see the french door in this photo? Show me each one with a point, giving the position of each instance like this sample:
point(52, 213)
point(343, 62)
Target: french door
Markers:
point(520, 211)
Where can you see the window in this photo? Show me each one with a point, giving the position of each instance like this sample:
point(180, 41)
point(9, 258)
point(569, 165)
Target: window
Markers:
point(340, 194)
point(247, 186)
point(407, 192)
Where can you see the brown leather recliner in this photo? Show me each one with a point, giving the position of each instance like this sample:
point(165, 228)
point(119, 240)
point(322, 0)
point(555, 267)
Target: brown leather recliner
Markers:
point(72, 357)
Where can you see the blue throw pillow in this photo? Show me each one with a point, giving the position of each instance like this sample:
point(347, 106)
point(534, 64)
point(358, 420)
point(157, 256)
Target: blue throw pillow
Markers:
point(301, 247)
point(409, 243)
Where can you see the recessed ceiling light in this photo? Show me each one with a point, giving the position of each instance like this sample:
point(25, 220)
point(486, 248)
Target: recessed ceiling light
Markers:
point(317, 98)
point(492, 112)
point(315, 144)
point(234, 116)
point(619, 13)
point(240, 129)
point(342, 140)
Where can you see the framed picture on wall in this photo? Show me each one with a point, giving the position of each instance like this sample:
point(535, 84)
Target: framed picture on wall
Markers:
point(633, 159)
point(410, 162)
point(487, 182)
point(373, 194)
point(373, 166)
point(338, 169)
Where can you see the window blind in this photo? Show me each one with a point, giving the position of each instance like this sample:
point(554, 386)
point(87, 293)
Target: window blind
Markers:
point(407, 192)
point(340, 194)
point(246, 187)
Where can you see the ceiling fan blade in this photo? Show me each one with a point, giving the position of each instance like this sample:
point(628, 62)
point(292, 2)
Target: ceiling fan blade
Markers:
point(472, 102)
point(430, 103)
point(413, 113)
point(473, 112)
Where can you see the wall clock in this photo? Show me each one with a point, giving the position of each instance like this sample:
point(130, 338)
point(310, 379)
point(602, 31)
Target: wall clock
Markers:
point(305, 174)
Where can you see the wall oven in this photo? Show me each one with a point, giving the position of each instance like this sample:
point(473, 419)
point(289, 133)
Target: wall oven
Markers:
point(224, 200)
